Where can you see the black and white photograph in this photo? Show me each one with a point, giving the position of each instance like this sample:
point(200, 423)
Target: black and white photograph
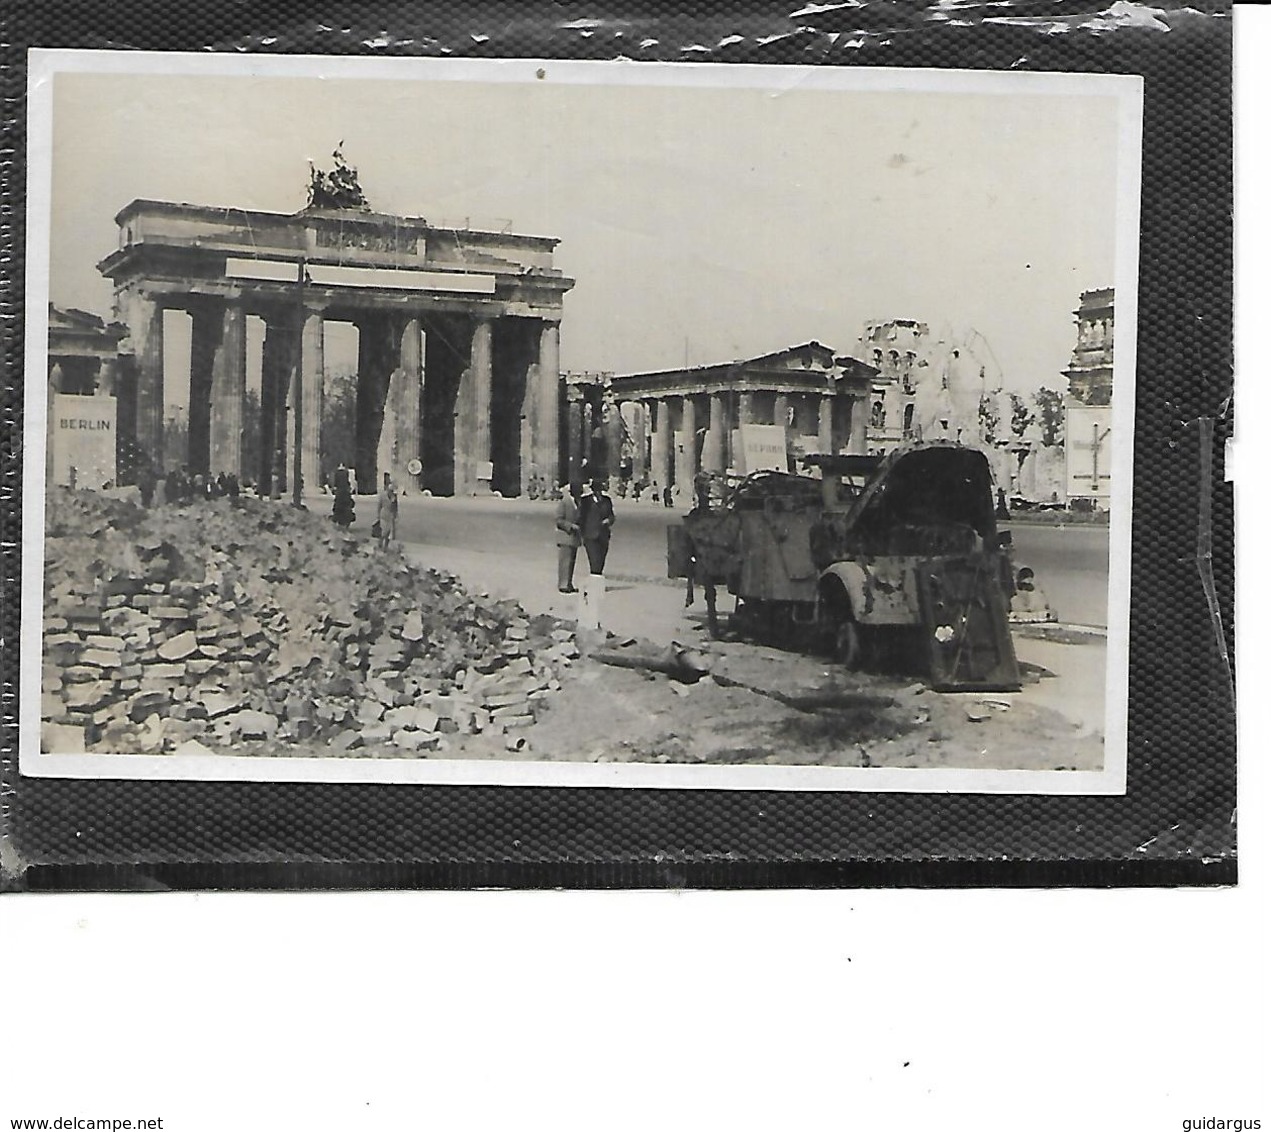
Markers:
point(541, 423)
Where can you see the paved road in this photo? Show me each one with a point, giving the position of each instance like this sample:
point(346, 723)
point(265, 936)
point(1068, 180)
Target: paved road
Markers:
point(1071, 562)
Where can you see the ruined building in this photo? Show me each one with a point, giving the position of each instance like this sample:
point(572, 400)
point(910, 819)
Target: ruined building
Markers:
point(927, 387)
point(688, 420)
point(1090, 371)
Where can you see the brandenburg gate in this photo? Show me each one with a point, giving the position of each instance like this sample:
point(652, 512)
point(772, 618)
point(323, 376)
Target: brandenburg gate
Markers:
point(458, 386)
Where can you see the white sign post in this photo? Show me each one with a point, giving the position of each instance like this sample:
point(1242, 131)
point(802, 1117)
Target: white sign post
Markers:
point(1088, 436)
point(84, 440)
point(763, 448)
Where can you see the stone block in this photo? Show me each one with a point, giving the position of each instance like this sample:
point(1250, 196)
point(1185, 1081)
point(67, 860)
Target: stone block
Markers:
point(62, 739)
point(179, 647)
point(148, 703)
point(400, 717)
point(346, 741)
point(414, 740)
point(100, 658)
point(218, 703)
point(111, 644)
point(252, 724)
point(192, 748)
point(426, 719)
point(89, 695)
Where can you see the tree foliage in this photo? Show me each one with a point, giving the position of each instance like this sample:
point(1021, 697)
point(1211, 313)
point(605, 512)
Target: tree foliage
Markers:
point(1050, 415)
point(339, 422)
point(1021, 415)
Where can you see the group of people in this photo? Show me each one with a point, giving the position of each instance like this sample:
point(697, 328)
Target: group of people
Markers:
point(183, 486)
point(583, 518)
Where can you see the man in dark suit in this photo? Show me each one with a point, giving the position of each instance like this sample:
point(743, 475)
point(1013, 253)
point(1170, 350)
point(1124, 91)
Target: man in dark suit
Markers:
point(596, 521)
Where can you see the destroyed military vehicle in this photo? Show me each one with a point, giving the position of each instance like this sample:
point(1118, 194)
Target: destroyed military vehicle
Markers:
point(885, 558)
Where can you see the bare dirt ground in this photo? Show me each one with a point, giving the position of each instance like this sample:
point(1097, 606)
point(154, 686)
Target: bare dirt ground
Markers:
point(764, 706)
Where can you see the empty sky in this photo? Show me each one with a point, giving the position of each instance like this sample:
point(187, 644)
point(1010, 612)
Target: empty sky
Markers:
point(708, 223)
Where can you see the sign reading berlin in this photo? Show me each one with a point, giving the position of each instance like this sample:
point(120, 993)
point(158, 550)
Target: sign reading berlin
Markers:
point(83, 440)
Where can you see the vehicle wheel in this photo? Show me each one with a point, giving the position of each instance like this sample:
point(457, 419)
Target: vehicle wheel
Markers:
point(849, 648)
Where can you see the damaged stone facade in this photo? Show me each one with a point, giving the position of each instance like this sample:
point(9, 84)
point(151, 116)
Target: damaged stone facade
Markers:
point(458, 341)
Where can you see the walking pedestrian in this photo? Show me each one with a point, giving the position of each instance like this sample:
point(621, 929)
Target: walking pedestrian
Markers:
point(386, 511)
point(343, 509)
point(567, 540)
point(146, 483)
point(596, 522)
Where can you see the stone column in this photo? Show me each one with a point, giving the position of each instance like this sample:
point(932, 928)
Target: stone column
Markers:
point(472, 432)
point(472, 411)
point(745, 408)
point(308, 410)
point(781, 409)
point(589, 425)
point(145, 329)
point(825, 423)
point(277, 362)
point(857, 443)
point(714, 452)
point(614, 433)
point(405, 405)
point(545, 425)
point(660, 414)
point(686, 457)
point(639, 431)
point(574, 398)
point(229, 391)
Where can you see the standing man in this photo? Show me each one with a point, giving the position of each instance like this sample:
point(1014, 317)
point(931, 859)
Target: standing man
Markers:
point(386, 512)
point(596, 522)
point(567, 539)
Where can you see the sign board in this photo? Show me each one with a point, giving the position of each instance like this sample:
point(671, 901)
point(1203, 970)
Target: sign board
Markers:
point(1088, 452)
point(762, 448)
point(83, 440)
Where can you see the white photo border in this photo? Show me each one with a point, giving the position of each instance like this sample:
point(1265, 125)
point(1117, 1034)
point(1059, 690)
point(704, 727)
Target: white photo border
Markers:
point(45, 64)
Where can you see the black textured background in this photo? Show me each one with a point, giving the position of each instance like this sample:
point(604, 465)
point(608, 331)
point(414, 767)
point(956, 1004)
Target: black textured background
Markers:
point(1175, 825)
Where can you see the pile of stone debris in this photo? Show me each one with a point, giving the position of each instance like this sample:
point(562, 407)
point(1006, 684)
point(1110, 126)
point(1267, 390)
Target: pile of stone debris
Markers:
point(245, 624)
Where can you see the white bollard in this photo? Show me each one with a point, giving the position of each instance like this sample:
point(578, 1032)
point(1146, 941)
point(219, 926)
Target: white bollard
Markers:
point(590, 595)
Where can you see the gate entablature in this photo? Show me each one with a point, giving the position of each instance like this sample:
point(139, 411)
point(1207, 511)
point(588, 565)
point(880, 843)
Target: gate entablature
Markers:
point(164, 247)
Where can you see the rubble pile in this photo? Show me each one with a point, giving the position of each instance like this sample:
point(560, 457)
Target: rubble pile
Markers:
point(234, 623)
